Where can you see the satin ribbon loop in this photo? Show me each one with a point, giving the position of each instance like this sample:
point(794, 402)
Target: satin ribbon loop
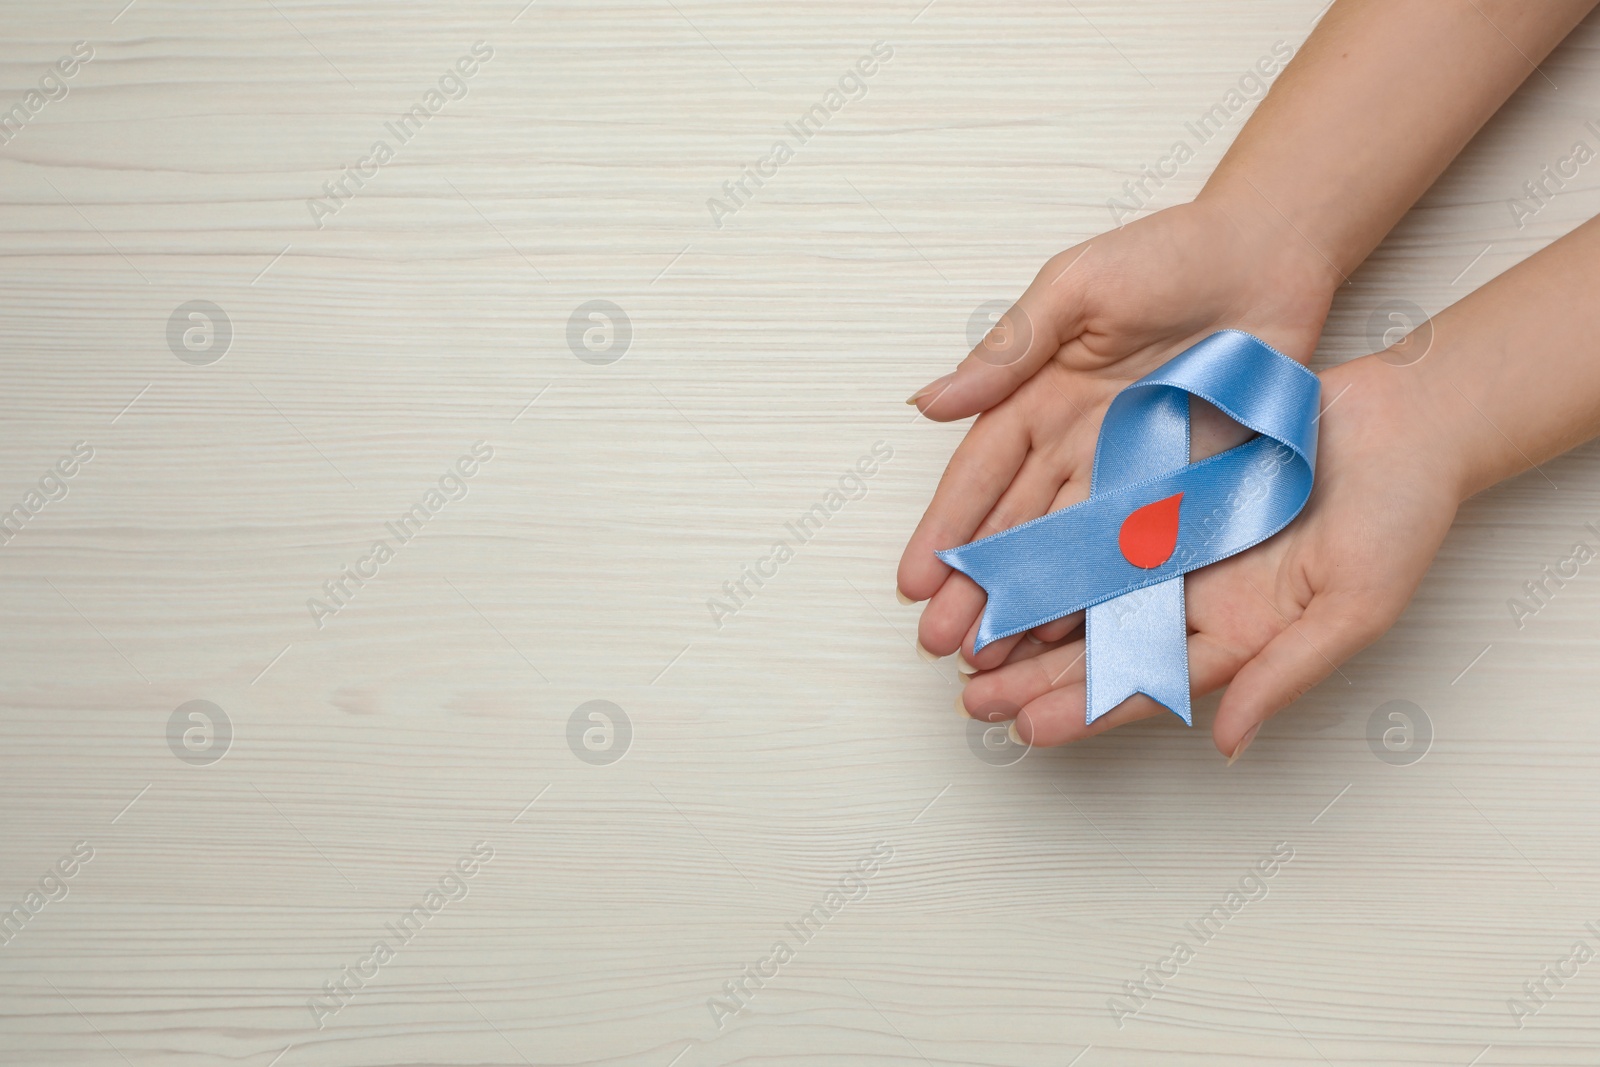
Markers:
point(1117, 557)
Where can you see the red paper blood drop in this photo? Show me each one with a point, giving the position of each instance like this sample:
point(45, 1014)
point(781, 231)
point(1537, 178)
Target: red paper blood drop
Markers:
point(1149, 535)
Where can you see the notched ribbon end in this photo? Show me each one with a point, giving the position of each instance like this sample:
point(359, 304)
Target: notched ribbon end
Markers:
point(1176, 702)
point(990, 628)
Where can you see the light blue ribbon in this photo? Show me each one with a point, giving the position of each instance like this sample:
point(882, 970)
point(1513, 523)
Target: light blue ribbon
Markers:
point(1136, 636)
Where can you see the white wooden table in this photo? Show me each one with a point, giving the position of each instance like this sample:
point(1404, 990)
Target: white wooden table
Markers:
point(249, 852)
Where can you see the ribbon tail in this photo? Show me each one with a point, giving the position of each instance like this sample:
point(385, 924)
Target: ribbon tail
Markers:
point(1027, 579)
point(989, 574)
point(1138, 643)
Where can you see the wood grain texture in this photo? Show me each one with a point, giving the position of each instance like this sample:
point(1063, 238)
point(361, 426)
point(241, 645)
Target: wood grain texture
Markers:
point(769, 755)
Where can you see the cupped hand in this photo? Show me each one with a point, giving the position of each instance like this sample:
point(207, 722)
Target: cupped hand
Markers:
point(1275, 620)
point(1098, 316)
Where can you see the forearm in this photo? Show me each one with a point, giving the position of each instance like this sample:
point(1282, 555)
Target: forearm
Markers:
point(1379, 100)
point(1512, 376)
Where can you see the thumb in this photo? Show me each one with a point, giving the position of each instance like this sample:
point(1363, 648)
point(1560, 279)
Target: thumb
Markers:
point(1328, 632)
point(1048, 315)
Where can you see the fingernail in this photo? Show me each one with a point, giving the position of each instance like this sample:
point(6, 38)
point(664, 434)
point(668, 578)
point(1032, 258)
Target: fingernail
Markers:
point(964, 665)
point(1244, 743)
point(962, 708)
point(925, 654)
point(965, 678)
point(898, 595)
point(1011, 732)
point(935, 386)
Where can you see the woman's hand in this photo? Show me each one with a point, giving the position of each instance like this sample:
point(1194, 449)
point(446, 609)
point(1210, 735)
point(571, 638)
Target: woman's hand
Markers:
point(1375, 104)
point(1275, 620)
point(1097, 317)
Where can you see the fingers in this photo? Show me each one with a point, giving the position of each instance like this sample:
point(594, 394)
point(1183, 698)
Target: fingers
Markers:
point(1073, 491)
point(1330, 631)
point(993, 655)
point(1041, 481)
point(984, 464)
point(1048, 315)
point(1045, 693)
point(950, 615)
point(1019, 683)
point(950, 623)
point(1028, 648)
point(1055, 631)
point(1057, 717)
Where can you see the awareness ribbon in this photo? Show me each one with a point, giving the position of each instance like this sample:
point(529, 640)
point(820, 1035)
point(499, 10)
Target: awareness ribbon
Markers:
point(1152, 516)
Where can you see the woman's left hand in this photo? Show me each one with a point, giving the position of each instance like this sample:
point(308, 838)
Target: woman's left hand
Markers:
point(1273, 621)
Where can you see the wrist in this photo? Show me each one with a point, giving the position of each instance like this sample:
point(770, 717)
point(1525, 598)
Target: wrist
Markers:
point(1466, 452)
point(1393, 417)
point(1284, 286)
